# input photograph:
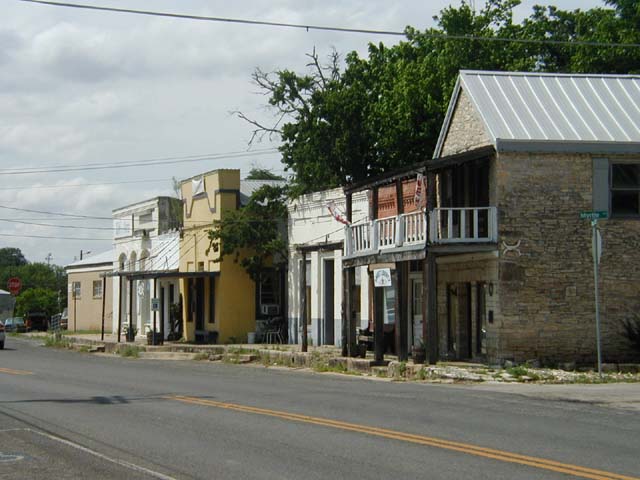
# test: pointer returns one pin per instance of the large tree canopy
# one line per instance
(340, 123)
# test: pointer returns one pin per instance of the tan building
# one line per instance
(89, 292)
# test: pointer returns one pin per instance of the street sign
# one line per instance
(382, 277)
(593, 215)
(14, 285)
(155, 304)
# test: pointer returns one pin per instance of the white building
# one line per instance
(147, 253)
(316, 234)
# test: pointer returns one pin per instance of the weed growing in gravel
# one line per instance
(130, 351)
(56, 341)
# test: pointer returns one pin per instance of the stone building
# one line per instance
(508, 269)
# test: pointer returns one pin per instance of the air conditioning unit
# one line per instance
(270, 309)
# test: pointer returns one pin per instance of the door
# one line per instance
(199, 303)
(329, 302)
(415, 309)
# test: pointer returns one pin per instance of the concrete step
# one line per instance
(167, 355)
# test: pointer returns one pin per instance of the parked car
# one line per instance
(15, 324)
(37, 321)
(1, 336)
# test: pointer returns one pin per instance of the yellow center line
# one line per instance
(15, 372)
(504, 456)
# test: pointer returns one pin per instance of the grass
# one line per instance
(81, 332)
(56, 341)
(130, 351)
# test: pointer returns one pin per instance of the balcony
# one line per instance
(409, 231)
(463, 225)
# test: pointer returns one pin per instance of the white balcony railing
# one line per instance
(446, 226)
(409, 229)
(463, 225)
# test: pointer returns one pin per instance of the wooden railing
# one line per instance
(409, 230)
(463, 225)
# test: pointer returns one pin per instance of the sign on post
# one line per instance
(155, 304)
(596, 246)
(382, 277)
(14, 285)
(593, 215)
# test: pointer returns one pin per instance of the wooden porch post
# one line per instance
(431, 306)
(155, 312)
(378, 324)
(303, 300)
(119, 306)
(430, 298)
(130, 305)
(401, 317)
(104, 293)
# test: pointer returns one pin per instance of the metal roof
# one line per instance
(103, 258)
(552, 111)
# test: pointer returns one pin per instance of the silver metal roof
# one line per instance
(541, 111)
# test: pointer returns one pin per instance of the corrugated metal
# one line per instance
(556, 107)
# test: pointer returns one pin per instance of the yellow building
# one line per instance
(219, 298)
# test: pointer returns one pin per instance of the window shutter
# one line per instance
(601, 185)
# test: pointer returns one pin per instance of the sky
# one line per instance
(81, 87)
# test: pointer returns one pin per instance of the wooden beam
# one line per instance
(104, 294)
(349, 212)
(399, 197)
(401, 317)
(303, 301)
(155, 312)
(352, 349)
(119, 307)
(432, 309)
(378, 324)
(374, 203)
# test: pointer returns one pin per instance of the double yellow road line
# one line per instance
(10, 371)
(500, 455)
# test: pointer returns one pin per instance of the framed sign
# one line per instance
(382, 277)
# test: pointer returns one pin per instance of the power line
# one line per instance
(141, 163)
(81, 185)
(24, 222)
(329, 28)
(56, 213)
(49, 237)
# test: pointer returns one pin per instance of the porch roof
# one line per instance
(146, 274)
(423, 167)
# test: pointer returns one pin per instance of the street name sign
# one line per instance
(593, 215)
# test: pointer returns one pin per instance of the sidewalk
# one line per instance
(328, 359)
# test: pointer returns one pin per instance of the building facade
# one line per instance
(145, 267)
(221, 303)
(316, 236)
(506, 260)
(90, 293)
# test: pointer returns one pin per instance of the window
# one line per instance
(269, 288)
(75, 289)
(201, 266)
(97, 289)
(625, 189)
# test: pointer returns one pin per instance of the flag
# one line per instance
(420, 196)
(337, 213)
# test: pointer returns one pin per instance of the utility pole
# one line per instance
(48, 258)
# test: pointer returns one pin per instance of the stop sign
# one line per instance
(14, 284)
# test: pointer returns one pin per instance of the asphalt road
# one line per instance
(72, 415)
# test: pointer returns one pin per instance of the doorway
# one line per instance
(329, 302)
(459, 324)
(415, 309)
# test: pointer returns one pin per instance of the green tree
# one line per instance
(258, 173)
(338, 126)
(11, 257)
(37, 300)
(254, 234)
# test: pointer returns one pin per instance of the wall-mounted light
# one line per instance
(490, 288)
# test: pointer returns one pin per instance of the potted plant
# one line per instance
(130, 333)
(419, 352)
(154, 341)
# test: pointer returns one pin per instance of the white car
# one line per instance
(1, 336)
